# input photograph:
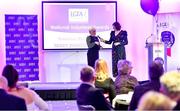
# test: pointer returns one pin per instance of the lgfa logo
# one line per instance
(78, 15)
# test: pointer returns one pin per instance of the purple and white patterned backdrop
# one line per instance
(22, 45)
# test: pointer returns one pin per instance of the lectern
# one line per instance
(157, 49)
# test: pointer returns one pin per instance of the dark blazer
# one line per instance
(88, 95)
(93, 50)
(10, 102)
(118, 51)
(142, 89)
(121, 37)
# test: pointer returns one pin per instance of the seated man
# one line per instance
(87, 94)
(7, 101)
(155, 71)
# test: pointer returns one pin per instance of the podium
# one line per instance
(157, 49)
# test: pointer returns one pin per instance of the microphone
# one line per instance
(147, 40)
(101, 39)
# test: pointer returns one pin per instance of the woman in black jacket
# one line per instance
(118, 38)
(93, 47)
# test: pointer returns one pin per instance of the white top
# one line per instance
(37, 104)
(31, 107)
(33, 101)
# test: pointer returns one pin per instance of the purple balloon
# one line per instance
(150, 6)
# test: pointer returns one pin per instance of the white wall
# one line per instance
(65, 66)
(58, 66)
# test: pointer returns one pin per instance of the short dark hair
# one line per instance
(11, 74)
(117, 25)
(87, 73)
(159, 60)
(155, 71)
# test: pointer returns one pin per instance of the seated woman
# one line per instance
(103, 80)
(31, 98)
(124, 82)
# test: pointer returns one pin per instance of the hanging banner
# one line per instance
(168, 26)
(21, 36)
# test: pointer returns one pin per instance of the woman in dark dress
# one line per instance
(118, 38)
(93, 47)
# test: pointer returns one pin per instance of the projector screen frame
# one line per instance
(75, 49)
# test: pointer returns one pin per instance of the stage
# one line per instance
(58, 95)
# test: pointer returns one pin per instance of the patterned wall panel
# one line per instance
(22, 45)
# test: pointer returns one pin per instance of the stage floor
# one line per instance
(63, 105)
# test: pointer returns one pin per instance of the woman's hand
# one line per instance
(102, 40)
(97, 43)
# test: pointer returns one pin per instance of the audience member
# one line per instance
(87, 94)
(7, 101)
(103, 79)
(159, 60)
(155, 71)
(170, 86)
(124, 82)
(31, 98)
(155, 101)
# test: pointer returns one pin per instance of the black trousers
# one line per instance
(92, 56)
(118, 52)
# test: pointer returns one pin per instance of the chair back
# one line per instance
(86, 108)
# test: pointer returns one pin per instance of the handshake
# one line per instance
(101, 39)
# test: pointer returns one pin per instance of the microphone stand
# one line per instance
(147, 40)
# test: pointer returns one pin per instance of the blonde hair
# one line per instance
(171, 81)
(155, 101)
(101, 69)
(92, 29)
(124, 66)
